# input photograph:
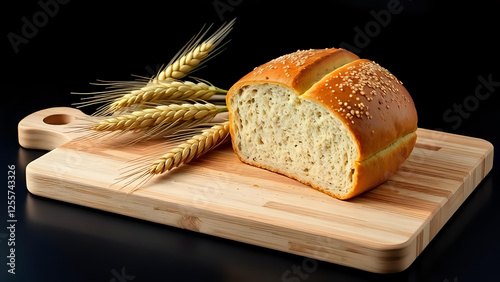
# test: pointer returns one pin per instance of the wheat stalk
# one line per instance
(153, 119)
(165, 90)
(129, 93)
(186, 63)
(191, 149)
(192, 55)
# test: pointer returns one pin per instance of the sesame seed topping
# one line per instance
(366, 79)
(296, 59)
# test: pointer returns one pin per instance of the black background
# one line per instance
(439, 50)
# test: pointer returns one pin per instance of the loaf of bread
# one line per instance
(326, 118)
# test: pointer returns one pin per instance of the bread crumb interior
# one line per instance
(277, 128)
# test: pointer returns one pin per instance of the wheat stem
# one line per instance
(191, 149)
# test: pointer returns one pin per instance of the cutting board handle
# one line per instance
(49, 128)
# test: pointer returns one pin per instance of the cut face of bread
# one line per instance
(333, 121)
(281, 131)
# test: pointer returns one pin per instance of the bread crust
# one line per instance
(374, 105)
(299, 70)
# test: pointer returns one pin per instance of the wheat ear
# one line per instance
(166, 90)
(154, 118)
(192, 55)
(191, 149)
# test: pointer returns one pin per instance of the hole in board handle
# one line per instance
(58, 119)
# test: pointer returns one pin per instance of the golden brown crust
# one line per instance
(373, 104)
(299, 70)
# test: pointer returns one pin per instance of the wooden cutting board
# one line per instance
(382, 231)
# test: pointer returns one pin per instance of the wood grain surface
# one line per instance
(381, 231)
